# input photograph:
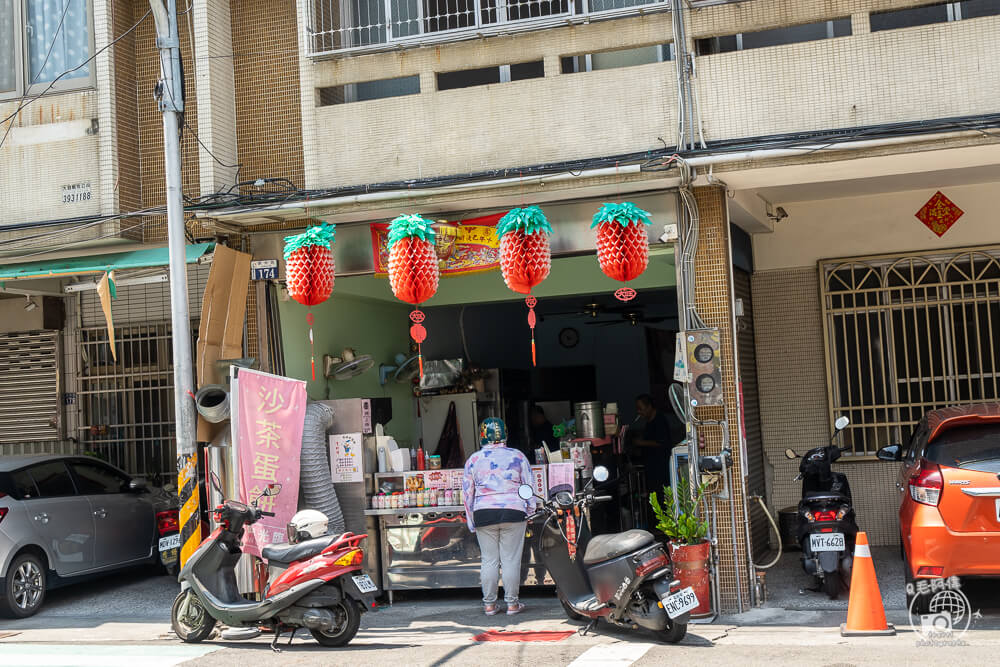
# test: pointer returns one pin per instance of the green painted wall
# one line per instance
(378, 328)
(569, 276)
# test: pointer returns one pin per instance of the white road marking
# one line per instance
(620, 654)
(76, 655)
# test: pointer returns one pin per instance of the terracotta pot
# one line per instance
(691, 569)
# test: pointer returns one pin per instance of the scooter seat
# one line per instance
(289, 553)
(831, 496)
(606, 547)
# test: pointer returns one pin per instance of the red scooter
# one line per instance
(319, 583)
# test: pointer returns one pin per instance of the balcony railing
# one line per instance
(339, 26)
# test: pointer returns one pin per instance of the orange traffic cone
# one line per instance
(865, 612)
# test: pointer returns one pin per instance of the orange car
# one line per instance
(949, 515)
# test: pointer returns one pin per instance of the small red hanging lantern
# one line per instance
(309, 271)
(413, 269)
(525, 256)
(622, 243)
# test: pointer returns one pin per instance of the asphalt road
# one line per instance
(124, 621)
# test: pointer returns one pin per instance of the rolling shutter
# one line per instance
(30, 409)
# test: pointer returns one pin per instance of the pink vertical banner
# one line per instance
(271, 413)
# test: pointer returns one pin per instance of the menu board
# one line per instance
(560, 478)
(437, 479)
(345, 458)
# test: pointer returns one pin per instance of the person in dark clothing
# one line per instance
(541, 430)
(654, 443)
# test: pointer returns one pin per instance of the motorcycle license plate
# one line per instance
(364, 583)
(826, 542)
(680, 602)
(170, 542)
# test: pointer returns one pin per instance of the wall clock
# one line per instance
(569, 337)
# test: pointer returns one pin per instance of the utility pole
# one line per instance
(170, 94)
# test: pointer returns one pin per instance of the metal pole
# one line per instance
(171, 101)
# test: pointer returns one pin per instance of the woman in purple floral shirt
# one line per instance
(496, 514)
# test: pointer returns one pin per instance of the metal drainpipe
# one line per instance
(680, 58)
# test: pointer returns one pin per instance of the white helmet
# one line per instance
(306, 525)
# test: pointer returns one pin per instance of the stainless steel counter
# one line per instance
(416, 510)
(431, 547)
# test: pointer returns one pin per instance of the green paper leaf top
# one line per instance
(529, 220)
(411, 226)
(624, 214)
(321, 235)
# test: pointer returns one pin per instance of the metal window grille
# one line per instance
(908, 334)
(351, 25)
(127, 404)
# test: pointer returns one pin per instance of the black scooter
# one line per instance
(826, 525)
(625, 578)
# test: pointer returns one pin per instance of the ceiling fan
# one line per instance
(595, 309)
(632, 317)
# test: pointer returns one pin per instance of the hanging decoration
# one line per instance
(309, 272)
(622, 243)
(525, 256)
(413, 270)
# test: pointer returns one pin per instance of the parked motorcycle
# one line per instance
(626, 579)
(826, 523)
(318, 585)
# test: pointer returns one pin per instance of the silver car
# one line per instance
(63, 518)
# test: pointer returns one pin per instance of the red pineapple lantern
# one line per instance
(622, 243)
(413, 269)
(525, 256)
(309, 271)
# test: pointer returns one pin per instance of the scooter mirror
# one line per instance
(216, 483)
(525, 492)
(790, 454)
(841, 423)
(272, 490)
(600, 474)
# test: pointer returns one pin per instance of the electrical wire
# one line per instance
(26, 102)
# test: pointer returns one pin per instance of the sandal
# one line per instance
(514, 608)
(490, 609)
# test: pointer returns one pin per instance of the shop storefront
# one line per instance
(589, 353)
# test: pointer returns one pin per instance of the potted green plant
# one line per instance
(687, 538)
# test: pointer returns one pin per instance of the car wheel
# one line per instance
(24, 588)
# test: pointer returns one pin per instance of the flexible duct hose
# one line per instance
(776, 532)
(315, 481)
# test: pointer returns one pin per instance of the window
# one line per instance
(467, 78)
(941, 12)
(94, 479)
(592, 62)
(796, 34)
(974, 447)
(39, 41)
(18, 484)
(909, 334)
(368, 90)
(339, 25)
(52, 480)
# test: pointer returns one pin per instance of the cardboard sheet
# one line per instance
(223, 312)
